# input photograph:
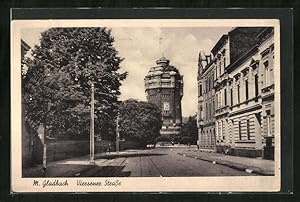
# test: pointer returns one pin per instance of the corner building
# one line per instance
(266, 70)
(244, 92)
(164, 88)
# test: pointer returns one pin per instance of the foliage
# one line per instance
(189, 131)
(163, 138)
(139, 121)
(57, 84)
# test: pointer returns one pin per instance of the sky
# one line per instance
(142, 46)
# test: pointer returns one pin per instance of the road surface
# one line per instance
(164, 162)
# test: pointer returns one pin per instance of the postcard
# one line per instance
(145, 105)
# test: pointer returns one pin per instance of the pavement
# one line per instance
(158, 162)
(71, 166)
(251, 165)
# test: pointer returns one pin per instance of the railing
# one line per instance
(268, 88)
(222, 110)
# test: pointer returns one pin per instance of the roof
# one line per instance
(264, 33)
(242, 58)
(162, 60)
(25, 45)
(215, 49)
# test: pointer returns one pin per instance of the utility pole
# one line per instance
(44, 142)
(44, 152)
(117, 134)
(92, 132)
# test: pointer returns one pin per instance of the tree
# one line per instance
(139, 121)
(189, 131)
(57, 84)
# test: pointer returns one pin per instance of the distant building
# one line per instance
(244, 93)
(164, 88)
(185, 120)
(24, 48)
(206, 102)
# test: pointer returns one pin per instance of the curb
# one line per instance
(231, 164)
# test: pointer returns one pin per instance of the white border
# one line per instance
(139, 184)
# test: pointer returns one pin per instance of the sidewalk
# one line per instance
(250, 165)
(71, 166)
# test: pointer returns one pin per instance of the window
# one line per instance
(225, 96)
(219, 66)
(258, 117)
(248, 129)
(271, 74)
(206, 110)
(267, 76)
(217, 129)
(208, 81)
(224, 61)
(269, 123)
(200, 90)
(208, 84)
(201, 109)
(216, 74)
(231, 96)
(238, 93)
(246, 89)
(207, 87)
(166, 108)
(221, 129)
(240, 130)
(221, 99)
(210, 111)
(256, 85)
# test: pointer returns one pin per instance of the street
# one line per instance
(159, 162)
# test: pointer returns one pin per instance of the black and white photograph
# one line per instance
(145, 105)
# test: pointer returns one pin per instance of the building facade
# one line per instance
(244, 92)
(266, 70)
(221, 56)
(206, 102)
(164, 88)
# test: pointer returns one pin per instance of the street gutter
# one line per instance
(230, 164)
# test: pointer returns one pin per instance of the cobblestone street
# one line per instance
(159, 162)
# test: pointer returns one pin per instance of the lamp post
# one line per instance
(92, 125)
(44, 143)
(92, 132)
(44, 152)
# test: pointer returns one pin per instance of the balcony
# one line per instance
(267, 91)
(267, 88)
(222, 110)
